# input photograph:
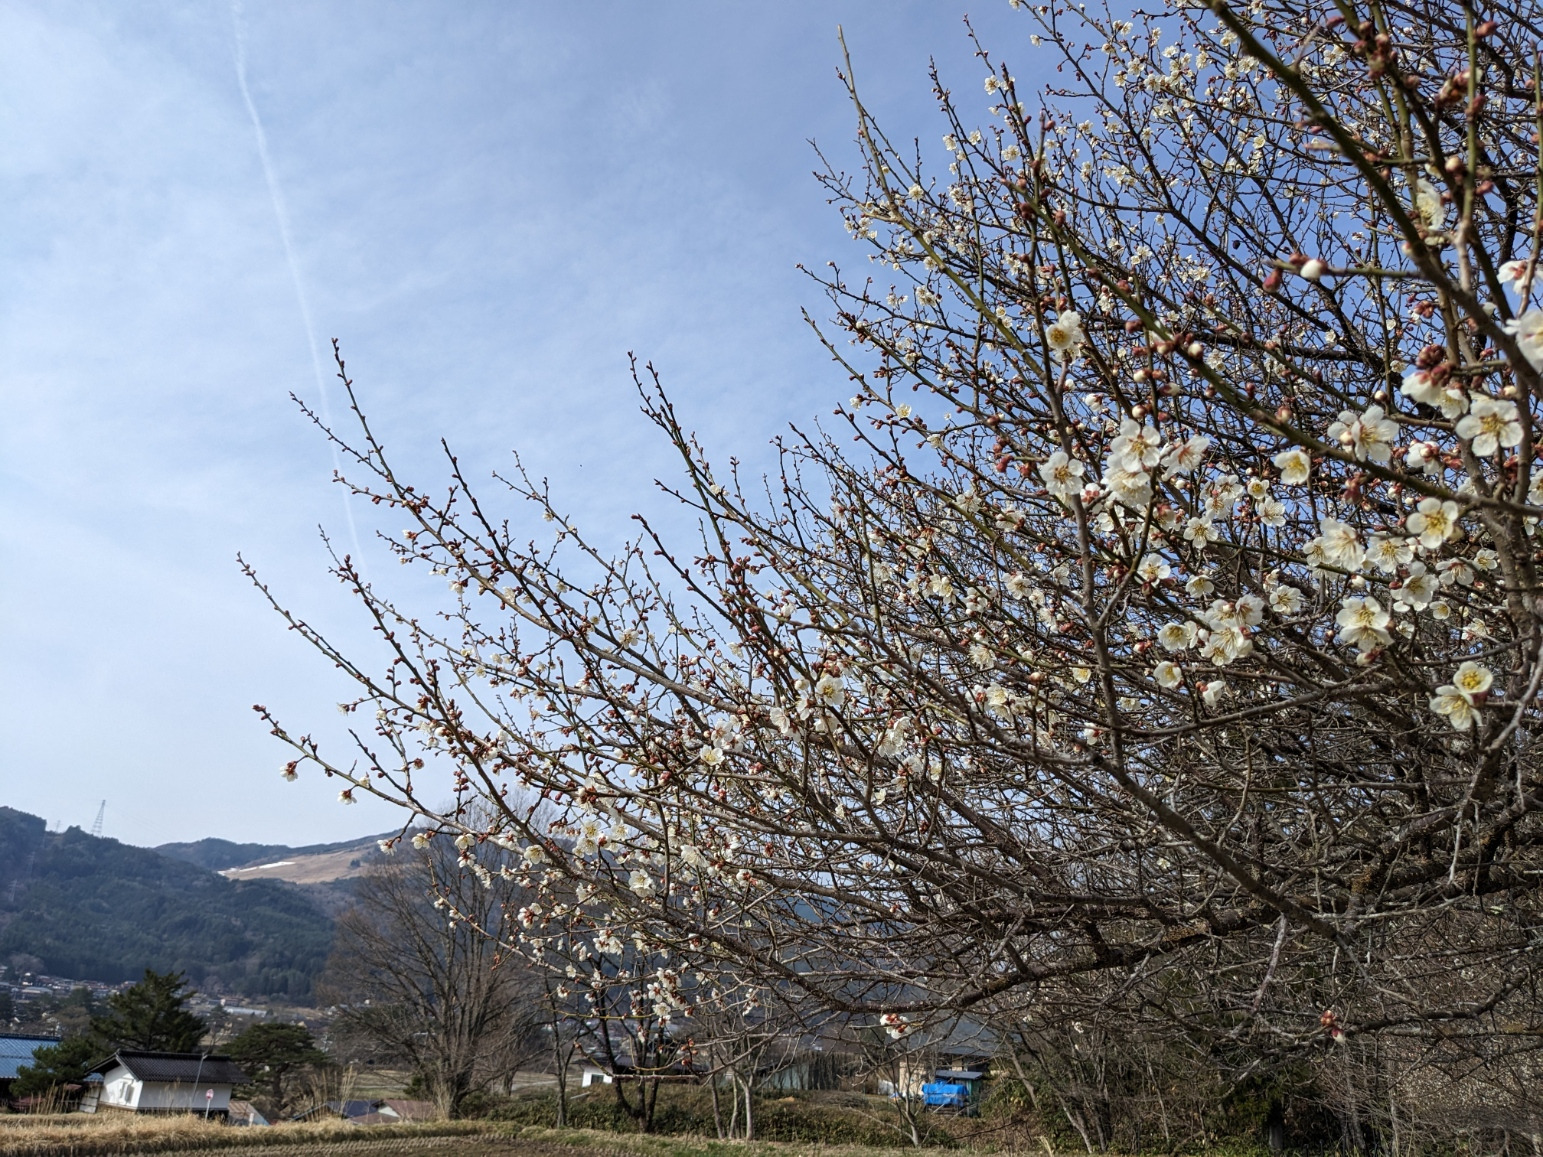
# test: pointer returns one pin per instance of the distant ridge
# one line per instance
(218, 855)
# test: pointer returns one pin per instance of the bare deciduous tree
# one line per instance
(419, 974)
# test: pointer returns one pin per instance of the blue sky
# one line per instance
(490, 204)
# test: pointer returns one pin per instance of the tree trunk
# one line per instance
(560, 1064)
(749, 1114)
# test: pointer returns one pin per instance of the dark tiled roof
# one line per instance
(175, 1068)
(16, 1049)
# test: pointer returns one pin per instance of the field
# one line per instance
(81, 1136)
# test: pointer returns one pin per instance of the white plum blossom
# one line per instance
(1167, 674)
(1249, 610)
(896, 1025)
(1473, 679)
(1428, 203)
(1186, 457)
(1271, 512)
(1422, 386)
(1178, 636)
(894, 738)
(1528, 332)
(1369, 436)
(1363, 623)
(1457, 707)
(1202, 532)
(1285, 600)
(1137, 444)
(830, 692)
(1295, 466)
(998, 701)
(1424, 457)
(1416, 592)
(1433, 522)
(1153, 568)
(1490, 424)
(1338, 545)
(641, 884)
(1128, 483)
(1064, 336)
(1388, 552)
(1062, 475)
(1226, 643)
(1455, 570)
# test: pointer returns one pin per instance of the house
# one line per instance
(135, 1081)
(17, 1049)
(245, 1113)
(390, 1111)
(395, 1111)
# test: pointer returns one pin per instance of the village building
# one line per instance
(150, 1082)
(18, 1049)
(245, 1113)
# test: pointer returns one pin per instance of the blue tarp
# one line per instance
(952, 1096)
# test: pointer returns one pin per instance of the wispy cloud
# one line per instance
(489, 203)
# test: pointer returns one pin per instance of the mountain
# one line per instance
(218, 855)
(96, 909)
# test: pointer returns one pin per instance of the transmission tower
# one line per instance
(96, 826)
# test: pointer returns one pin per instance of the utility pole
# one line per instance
(96, 826)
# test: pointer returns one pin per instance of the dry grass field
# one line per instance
(100, 1135)
(80, 1135)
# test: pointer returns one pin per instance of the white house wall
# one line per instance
(119, 1089)
(122, 1090)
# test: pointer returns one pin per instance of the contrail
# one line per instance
(281, 213)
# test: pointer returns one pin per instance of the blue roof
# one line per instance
(17, 1050)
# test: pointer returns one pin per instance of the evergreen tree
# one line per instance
(273, 1055)
(150, 1015)
(62, 1064)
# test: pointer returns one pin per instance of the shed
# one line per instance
(151, 1082)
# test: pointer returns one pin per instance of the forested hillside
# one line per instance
(96, 909)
